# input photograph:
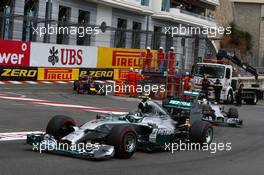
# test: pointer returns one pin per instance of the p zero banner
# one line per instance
(120, 58)
(53, 55)
(18, 74)
(58, 74)
(14, 53)
(97, 73)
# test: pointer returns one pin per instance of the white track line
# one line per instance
(15, 82)
(62, 82)
(31, 82)
(110, 81)
(46, 82)
(8, 136)
(1, 82)
(58, 104)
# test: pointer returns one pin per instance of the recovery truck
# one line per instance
(222, 70)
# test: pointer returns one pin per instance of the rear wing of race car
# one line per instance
(191, 93)
(177, 104)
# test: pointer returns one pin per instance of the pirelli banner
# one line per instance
(57, 74)
(120, 58)
(18, 73)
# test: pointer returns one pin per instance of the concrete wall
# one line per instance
(247, 18)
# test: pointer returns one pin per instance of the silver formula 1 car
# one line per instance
(118, 135)
(213, 112)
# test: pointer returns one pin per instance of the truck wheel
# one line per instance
(201, 132)
(60, 126)
(232, 113)
(124, 139)
(230, 98)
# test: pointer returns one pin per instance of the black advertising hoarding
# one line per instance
(98, 73)
(18, 73)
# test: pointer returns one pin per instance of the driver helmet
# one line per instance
(204, 101)
(143, 106)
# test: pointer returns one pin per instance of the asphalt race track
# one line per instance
(29, 107)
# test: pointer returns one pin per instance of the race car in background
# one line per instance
(86, 85)
(211, 112)
(119, 135)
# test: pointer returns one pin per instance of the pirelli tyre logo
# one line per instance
(98, 74)
(18, 74)
(53, 74)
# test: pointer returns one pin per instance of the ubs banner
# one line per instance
(18, 74)
(66, 56)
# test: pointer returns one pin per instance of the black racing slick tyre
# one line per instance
(60, 126)
(124, 140)
(232, 113)
(201, 132)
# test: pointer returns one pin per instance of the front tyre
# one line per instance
(124, 139)
(201, 132)
(60, 126)
(232, 113)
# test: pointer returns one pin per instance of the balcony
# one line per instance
(130, 5)
(211, 2)
(183, 16)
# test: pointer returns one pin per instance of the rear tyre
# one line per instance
(60, 126)
(124, 139)
(201, 132)
(232, 113)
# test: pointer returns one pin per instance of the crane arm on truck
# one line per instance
(234, 59)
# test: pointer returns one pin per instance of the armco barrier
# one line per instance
(8, 73)
(18, 73)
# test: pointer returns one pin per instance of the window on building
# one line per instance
(136, 35)
(48, 14)
(83, 22)
(30, 20)
(145, 2)
(63, 23)
(156, 39)
(169, 41)
(6, 23)
(165, 6)
(120, 34)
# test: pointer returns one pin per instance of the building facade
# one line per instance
(249, 16)
(126, 23)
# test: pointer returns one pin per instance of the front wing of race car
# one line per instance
(47, 143)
